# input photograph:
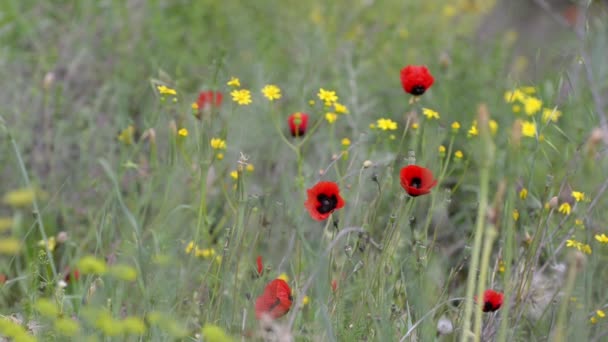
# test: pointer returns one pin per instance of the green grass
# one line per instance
(77, 74)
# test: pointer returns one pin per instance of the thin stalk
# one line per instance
(481, 282)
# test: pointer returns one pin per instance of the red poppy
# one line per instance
(260, 265)
(492, 300)
(417, 180)
(334, 285)
(297, 124)
(71, 275)
(416, 79)
(323, 199)
(275, 301)
(208, 99)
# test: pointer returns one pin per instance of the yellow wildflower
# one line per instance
(164, 90)
(449, 11)
(183, 132)
(473, 131)
(234, 174)
(284, 277)
(345, 142)
(579, 223)
(372, 126)
(305, 300)
(22, 197)
(523, 193)
(600, 313)
(311, 102)
(249, 168)
(415, 126)
(189, 247)
(90, 264)
(5, 223)
(331, 117)
(528, 90)
(328, 96)
(493, 126)
(430, 114)
(515, 214)
(126, 135)
(241, 96)
(340, 108)
(565, 208)
(455, 126)
(386, 124)
(9, 246)
(601, 238)
(578, 196)
(219, 156)
(516, 108)
(515, 95)
(458, 154)
(218, 144)
(271, 92)
(551, 115)
(194, 106)
(593, 320)
(585, 248)
(528, 129)
(501, 266)
(123, 272)
(50, 243)
(532, 105)
(234, 82)
(441, 150)
(213, 333)
(205, 253)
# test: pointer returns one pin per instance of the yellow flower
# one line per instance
(441, 150)
(194, 106)
(551, 115)
(579, 223)
(455, 126)
(386, 124)
(430, 114)
(9, 246)
(473, 131)
(516, 108)
(234, 174)
(458, 154)
(164, 90)
(528, 129)
(415, 126)
(515, 95)
(345, 142)
(600, 313)
(218, 144)
(305, 300)
(5, 223)
(271, 92)
(523, 193)
(183, 132)
(515, 214)
(234, 82)
(284, 277)
(501, 266)
(126, 135)
(528, 90)
(241, 96)
(565, 208)
(219, 156)
(311, 102)
(578, 196)
(593, 320)
(189, 247)
(340, 108)
(601, 238)
(493, 126)
(249, 168)
(585, 248)
(90, 264)
(213, 333)
(331, 117)
(449, 11)
(532, 105)
(328, 96)
(22, 197)
(205, 253)
(372, 126)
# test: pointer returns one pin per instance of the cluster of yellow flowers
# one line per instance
(205, 253)
(583, 247)
(330, 99)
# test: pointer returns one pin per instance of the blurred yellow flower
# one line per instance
(585, 248)
(284, 277)
(92, 265)
(183, 132)
(5, 223)
(328, 96)
(458, 154)
(305, 300)
(345, 142)
(123, 272)
(22, 197)
(430, 114)
(218, 144)
(528, 129)
(213, 333)
(250, 168)
(340, 108)
(455, 126)
(189, 247)
(271, 92)
(219, 156)
(234, 82)
(601, 238)
(386, 124)
(473, 131)
(194, 106)
(565, 208)
(331, 117)
(515, 95)
(600, 313)
(50, 243)
(415, 126)
(523, 193)
(493, 126)
(234, 175)
(551, 115)
(164, 90)
(532, 105)
(9, 246)
(441, 150)
(241, 96)
(515, 214)
(126, 135)
(578, 196)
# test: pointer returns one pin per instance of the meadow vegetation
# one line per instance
(257, 170)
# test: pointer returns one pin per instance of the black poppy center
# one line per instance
(418, 90)
(416, 183)
(326, 203)
(488, 306)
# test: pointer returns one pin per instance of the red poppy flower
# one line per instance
(275, 301)
(334, 285)
(71, 275)
(260, 265)
(208, 99)
(416, 79)
(417, 180)
(297, 124)
(492, 300)
(323, 199)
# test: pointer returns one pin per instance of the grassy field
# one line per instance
(129, 214)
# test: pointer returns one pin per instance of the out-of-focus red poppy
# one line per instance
(492, 300)
(334, 285)
(71, 274)
(416, 79)
(323, 199)
(297, 124)
(275, 301)
(417, 180)
(207, 100)
(260, 265)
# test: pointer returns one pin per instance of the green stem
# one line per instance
(481, 282)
